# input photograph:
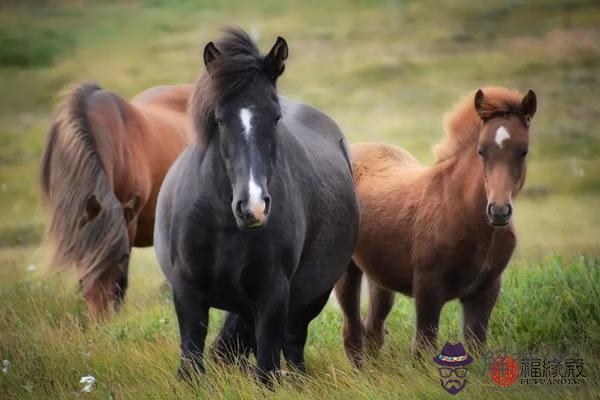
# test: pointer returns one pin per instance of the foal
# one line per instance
(441, 232)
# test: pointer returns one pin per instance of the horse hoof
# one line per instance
(188, 370)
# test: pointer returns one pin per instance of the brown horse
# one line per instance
(442, 232)
(101, 171)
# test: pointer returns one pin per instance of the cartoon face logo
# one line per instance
(452, 362)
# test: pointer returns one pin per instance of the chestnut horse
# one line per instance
(442, 232)
(103, 165)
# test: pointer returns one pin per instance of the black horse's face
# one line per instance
(248, 137)
(247, 122)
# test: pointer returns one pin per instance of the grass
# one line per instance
(385, 71)
(547, 308)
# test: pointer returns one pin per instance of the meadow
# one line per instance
(385, 71)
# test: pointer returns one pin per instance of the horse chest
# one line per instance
(474, 263)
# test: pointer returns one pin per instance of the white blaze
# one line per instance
(255, 196)
(246, 118)
(501, 135)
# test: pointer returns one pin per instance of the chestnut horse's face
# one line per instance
(104, 283)
(503, 147)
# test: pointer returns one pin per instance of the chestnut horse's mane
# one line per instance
(462, 124)
(70, 171)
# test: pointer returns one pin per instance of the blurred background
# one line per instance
(386, 71)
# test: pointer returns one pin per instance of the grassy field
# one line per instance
(386, 71)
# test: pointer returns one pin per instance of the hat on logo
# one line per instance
(453, 355)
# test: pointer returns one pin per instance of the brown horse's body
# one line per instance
(101, 172)
(150, 130)
(424, 230)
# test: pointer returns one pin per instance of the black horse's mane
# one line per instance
(238, 66)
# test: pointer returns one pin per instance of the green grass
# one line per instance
(547, 308)
(385, 71)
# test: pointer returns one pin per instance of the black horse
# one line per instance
(259, 216)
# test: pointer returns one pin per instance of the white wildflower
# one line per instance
(5, 366)
(88, 383)
(31, 268)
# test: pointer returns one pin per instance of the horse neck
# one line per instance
(463, 177)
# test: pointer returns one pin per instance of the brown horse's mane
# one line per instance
(462, 124)
(239, 64)
(70, 171)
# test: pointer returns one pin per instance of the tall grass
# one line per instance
(547, 308)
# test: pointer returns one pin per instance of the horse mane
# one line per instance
(239, 64)
(462, 125)
(70, 171)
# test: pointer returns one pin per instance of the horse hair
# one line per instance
(70, 171)
(462, 124)
(237, 67)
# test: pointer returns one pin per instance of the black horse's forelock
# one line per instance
(238, 66)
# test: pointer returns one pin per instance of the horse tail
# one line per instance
(72, 175)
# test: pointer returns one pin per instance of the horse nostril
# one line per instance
(239, 209)
(490, 209)
(267, 201)
(508, 210)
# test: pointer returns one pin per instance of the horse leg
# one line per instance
(347, 291)
(270, 323)
(236, 339)
(477, 309)
(192, 315)
(381, 302)
(429, 305)
(297, 330)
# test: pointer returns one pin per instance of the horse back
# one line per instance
(138, 141)
(390, 183)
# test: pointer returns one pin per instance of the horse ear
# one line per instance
(529, 105)
(479, 100)
(274, 61)
(92, 209)
(131, 208)
(210, 54)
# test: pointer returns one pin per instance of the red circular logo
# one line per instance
(504, 370)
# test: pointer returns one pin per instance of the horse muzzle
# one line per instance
(499, 214)
(252, 215)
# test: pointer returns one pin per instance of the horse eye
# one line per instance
(278, 118)
(524, 153)
(480, 151)
(219, 121)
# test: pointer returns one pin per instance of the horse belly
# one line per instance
(327, 248)
(319, 271)
(390, 271)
